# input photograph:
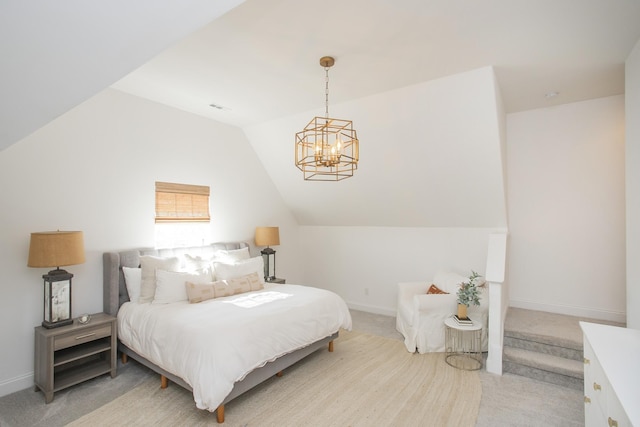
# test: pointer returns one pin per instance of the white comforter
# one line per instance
(215, 343)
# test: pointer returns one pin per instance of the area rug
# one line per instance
(368, 380)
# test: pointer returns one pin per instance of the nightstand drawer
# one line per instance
(82, 336)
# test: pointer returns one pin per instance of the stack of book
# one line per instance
(464, 321)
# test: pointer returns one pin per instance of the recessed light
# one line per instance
(551, 94)
(219, 107)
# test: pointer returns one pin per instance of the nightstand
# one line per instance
(276, 280)
(71, 354)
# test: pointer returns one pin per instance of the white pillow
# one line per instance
(132, 280)
(170, 285)
(149, 264)
(226, 271)
(232, 255)
(198, 265)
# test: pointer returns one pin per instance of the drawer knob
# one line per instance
(587, 400)
(586, 361)
(81, 337)
(612, 422)
(597, 386)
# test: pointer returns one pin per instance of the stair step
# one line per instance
(564, 342)
(544, 347)
(544, 367)
(546, 328)
(545, 362)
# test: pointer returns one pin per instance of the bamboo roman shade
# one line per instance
(181, 202)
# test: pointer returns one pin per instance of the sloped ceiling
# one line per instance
(260, 60)
(57, 54)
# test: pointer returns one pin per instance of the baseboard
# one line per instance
(372, 309)
(16, 384)
(591, 313)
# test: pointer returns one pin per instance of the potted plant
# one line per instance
(468, 294)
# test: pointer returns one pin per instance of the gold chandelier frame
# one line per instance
(327, 149)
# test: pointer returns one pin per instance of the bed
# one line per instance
(253, 336)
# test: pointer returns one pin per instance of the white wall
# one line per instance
(430, 156)
(428, 191)
(632, 109)
(93, 169)
(364, 264)
(566, 208)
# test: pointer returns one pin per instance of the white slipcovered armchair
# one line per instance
(420, 316)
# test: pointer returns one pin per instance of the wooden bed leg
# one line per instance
(220, 414)
(279, 374)
(164, 382)
(123, 357)
(331, 346)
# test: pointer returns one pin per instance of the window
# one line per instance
(182, 215)
(181, 202)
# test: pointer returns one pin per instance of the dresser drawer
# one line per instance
(596, 385)
(611, 375)
(84, 335)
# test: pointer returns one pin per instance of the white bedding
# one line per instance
(215, 343)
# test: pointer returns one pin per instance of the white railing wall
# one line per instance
(498, 298)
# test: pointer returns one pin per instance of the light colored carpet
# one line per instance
(551, 328)
(507, 400)
(368, 380)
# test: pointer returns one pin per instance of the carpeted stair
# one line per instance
(544, 346)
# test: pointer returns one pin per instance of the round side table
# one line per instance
(463, 345)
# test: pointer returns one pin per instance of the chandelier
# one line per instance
(327, 148)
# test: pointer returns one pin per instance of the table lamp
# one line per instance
(55, 249)
(268, 236)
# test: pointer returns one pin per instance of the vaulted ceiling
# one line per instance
(55, 55)
(260, 60)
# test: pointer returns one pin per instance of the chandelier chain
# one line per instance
(326, 93)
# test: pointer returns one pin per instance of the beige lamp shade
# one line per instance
(267, 236)
(56, 249)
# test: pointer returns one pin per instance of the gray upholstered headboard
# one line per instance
(114, 289)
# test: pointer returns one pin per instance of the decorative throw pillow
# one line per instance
(247, 283)
(224, 271)
(232, 255)
(170, 285)
(433, 289)
(132, 280)
(448, 281)
(149, 264)
(198, 292)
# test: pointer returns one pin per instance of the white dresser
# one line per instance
(611, 375)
